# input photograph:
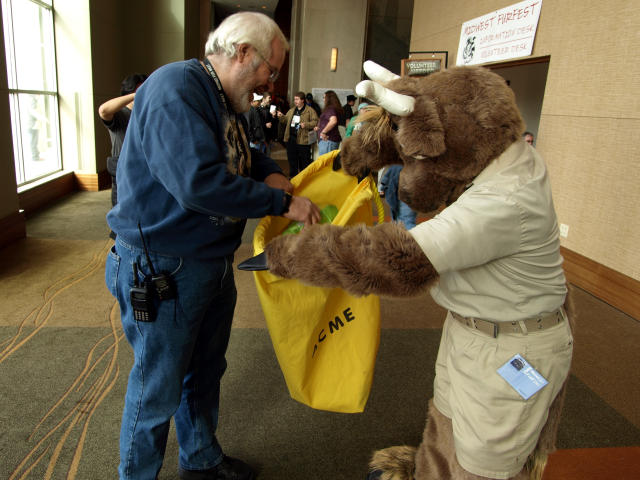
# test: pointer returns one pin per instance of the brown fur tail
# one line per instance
(396, 463)
(537, 461)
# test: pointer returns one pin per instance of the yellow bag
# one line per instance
(325, 339)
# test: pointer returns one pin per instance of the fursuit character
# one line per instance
(490, 257)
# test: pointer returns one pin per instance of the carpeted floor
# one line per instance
(64, 365)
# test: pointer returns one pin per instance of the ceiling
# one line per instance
(228, 7)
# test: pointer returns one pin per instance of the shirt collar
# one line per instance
(508, 157)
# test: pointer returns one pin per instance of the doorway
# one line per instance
(528, 80)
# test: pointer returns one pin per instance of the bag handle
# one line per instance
(377, 200)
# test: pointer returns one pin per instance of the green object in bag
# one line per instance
(327, 214)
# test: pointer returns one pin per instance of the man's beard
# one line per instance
(241, 100)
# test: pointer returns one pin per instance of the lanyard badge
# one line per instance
(522, 377)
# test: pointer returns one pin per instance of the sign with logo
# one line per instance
(504, 34)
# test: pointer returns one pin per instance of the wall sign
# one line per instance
(421, 64)
(504, 34)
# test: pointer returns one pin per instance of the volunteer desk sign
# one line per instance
(421, 64)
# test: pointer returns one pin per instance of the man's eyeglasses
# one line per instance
(275, 73)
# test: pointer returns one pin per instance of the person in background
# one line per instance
(352, 123)
(269, 126)
(312, 103)
(298, 122)
(256, 133)
(528, 137)
(388, 188)
(115, 114)
(328, 135)
(189, 180)
(348, 109)
(282, 105)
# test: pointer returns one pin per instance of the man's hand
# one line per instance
(304, 210)
(278, 180)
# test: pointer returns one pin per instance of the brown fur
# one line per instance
(436, 455)
(435, 458)
(463, 118)
(396, 463)
(384, 260)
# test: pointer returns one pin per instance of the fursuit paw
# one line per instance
(393, 463)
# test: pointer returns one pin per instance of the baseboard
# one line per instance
(42, 195)
(12, 228)
(617, 289)
(614, 288)
(93, 182)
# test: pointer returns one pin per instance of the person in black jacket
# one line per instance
(256, 134)
(348, 109)
(313, 104)
(269, 124)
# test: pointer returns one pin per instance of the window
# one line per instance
(33, 91)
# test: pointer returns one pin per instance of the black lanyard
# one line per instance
(216, 81)
(240, 135)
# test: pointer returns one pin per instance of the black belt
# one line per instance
(530, 325)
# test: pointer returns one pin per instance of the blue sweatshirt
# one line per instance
(177, 174)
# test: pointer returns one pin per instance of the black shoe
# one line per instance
(228, 469)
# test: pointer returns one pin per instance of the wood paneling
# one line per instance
(93, 182)
(42, 195)
(618, 290)
(12, 228)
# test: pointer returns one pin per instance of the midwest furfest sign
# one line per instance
(504, 34)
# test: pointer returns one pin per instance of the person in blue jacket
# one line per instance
(187, 181)
(388, 188)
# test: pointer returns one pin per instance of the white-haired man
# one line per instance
(189, 181)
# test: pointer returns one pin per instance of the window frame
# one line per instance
(14, 92)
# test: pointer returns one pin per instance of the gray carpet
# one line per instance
(259, 422)
(61, 392)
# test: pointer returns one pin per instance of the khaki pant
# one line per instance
(494, 428)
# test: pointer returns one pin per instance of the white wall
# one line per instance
(75, 85)
(528, 83)
(327, 24)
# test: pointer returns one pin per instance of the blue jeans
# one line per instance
(326, 146)
(405, 215)
(400, 211)
(179, 359)
(262, 147)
